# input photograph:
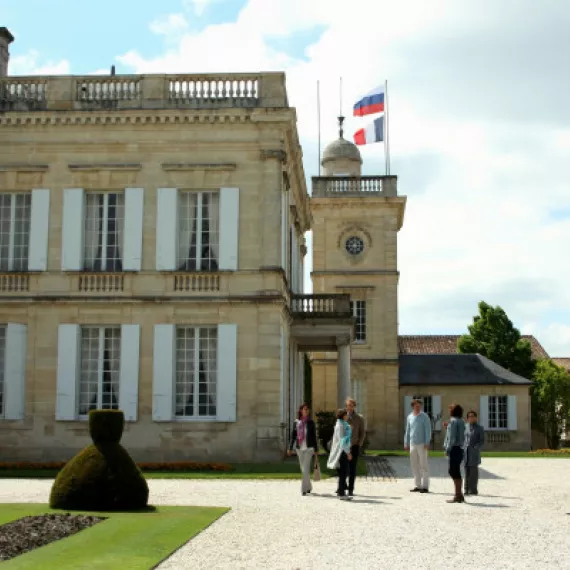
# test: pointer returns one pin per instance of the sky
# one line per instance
(478, 108)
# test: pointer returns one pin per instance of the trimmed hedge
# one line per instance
(157, 466)
(102, 477)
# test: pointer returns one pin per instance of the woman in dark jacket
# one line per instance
(453, 445)
(304, 442)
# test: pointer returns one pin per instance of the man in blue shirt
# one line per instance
(416, 441)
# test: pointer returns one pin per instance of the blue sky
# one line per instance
(488, 211)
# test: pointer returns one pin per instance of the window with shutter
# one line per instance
(39, 230)
(104, 231)
(498, 412)
(133, 229)
(15, 343)
(15, 216)
(100, 369)
(2, 367)
(198, 231)
(358, 310)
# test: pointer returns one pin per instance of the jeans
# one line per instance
(342, 472)
(354, 451)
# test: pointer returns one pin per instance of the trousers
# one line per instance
(420, 469)
(471, 479)
(305, 463)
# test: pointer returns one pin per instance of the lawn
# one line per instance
(288, 469)
(133, 540)
(504, 454)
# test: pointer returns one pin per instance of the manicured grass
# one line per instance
(504, 454)
(288, 469)
(134, 540)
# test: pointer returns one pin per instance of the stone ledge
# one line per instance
(104, 166)
(187, 166)
(24, 167)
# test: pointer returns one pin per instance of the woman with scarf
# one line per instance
(340, 456)
(304, 442)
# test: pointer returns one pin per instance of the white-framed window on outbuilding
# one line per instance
(428, 404)
(498, 412)
(431, 406)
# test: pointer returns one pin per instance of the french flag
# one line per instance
(372, 133)
(371, 103)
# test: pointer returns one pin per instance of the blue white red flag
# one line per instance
(371, 103)
(372, 133)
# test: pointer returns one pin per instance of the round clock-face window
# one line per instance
(354, 245)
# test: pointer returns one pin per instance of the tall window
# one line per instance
(199, 231)
(196, 372)
(498, 412)
(358, 309)
(358, 391)
(104, 224)
(428, 404)
(2, 367)
(100, 369)
(15, 213)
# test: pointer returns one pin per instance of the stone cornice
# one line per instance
(125, 117)
(279, 154)
(188, 166)
(104, 166)
(24, 167)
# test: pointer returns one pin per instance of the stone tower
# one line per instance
(356, 223)
(6, 38)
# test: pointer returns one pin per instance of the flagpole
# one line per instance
(386, 131)
(319, 123)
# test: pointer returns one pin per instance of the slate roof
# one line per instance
(454, 370)
(563, 361)
(447, 344)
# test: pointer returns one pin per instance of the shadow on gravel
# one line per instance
(483, 496)
(488, 505)
(355, 500)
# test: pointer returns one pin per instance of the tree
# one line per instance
(493, 335)
(551, 401)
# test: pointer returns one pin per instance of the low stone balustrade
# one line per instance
(180, 91)
(325, 305)
(327, 186)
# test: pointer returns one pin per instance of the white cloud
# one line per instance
(198, 6)
(29, 64)
(480, 134)
(169, 25)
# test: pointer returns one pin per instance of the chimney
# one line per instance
(6, 38)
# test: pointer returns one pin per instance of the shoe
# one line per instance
(343, 497)
(349, 498)
(415, 490)
(304, 494)
(460, 499)
(309, 491)
(424, 490)
(350, 494)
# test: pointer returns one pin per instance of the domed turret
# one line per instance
(341, 157)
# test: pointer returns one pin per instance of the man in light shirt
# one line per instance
(416, 441)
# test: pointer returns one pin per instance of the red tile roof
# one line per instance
(564, 362)
(447, 344)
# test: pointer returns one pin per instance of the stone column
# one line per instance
(343, 373)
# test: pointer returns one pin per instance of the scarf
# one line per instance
(301, 431)
(346, 440)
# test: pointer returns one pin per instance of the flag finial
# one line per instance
(340, 130)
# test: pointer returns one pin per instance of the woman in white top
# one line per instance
(340, 456)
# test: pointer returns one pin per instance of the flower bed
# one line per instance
(175, 466)
(553, 452)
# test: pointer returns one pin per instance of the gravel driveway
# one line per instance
(518, 521)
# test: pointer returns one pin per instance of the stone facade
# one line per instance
(150, 138)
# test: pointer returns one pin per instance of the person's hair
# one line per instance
(417, 401)
(457, 411)
(471, 413)
(351, 401)
(341, 413)
(300, 412)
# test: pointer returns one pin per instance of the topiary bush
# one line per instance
(102, 477)
(325, 428)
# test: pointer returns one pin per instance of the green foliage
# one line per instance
(325, 428)
(493, 335)
(551, 401)
(106, 426)
(103, 476)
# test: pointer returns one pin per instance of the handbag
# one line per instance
(317, 471)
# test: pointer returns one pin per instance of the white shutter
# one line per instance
(484, 411)
(68, 363)
(39, 231)
(512, 413)
(294, 261)
(229, 229)
(163, 373)
(407, 407)
(166, 229)
(436, 409)
(129, 375)
(227, 373)
(284, 228)
(133, 230)
(15, 371)
(73, 229)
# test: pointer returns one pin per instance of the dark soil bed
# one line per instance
(28, 533)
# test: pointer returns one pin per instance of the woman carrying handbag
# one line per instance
(304, 442)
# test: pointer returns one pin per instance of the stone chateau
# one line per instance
(151, 259)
